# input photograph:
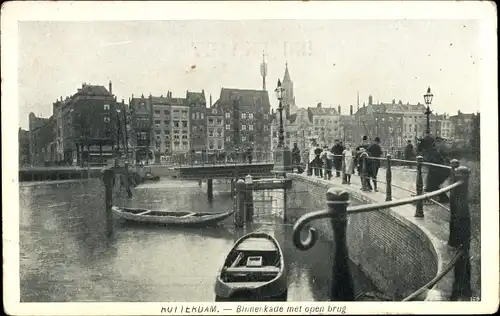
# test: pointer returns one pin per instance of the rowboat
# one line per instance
(254, 270)
(169, 217)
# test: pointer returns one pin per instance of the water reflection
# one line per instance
(66, 256)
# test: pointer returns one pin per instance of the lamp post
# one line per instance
(428, 100)
(282, 156)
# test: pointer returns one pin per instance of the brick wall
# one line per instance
(397, 256)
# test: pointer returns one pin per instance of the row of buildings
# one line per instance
(91, 125)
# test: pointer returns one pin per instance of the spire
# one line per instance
(263, 71)
(286, 77)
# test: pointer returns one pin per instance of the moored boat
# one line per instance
(254, 270)
(169, 217)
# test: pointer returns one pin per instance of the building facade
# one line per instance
(162, 125)
(325, 124)
(215, 129)
(198, 120)
(181, 135)
(246, 119)
(41, 137)
(141, 122)
(24, 147)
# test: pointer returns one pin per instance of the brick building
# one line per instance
(215, 129)
(141, 127)
(41, 140)
(90, 125)
(24, 147)
(246, 119)
(198, 120)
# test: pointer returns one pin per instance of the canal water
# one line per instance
(65, 255)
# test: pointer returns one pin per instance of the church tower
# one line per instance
(288, 97)
(263, 72)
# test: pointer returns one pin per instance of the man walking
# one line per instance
(296, 158)
(409, 152)
(337, 150)
(375, 151)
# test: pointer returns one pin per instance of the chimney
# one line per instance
(319, 105)
(350, 110)
(339, 109)
(370, 100)
(123, 101)
(110, 88)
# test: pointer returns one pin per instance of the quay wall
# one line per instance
(394, 253)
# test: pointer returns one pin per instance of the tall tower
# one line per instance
(358, 100)
(288, 97)
(263, 72)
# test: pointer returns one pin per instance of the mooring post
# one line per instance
(364, 171)
(249, 198)
(454, 163)
(460, 236)
(210, 190)
(127, 181)
(342, 283)
(419, 211)
(108, 178)
(239, 218)
(388, 179)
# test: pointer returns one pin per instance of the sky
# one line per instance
(330, 61)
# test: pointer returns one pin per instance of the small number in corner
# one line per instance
(475, 298)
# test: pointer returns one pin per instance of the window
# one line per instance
(176, 123)
(106, 106)
(266, 116)
(243, 115)
(201, 129)
(157, 125)
(210, 145)
(158, 131)
(219, 121)
(184, 137)
(250, 115)
(266, 128)
(166, 112)
(219, 132)
(210, 132)
(157, 112)
(219, 145)
(184, 124)
(250, 127)
(107, 119)
(195, 129)
(228, 127)
(228, 139)
(166, 122)
(243, 138)
(157, 122)
(228, 115)
(194, 116)
(210, 121)
(243, 127)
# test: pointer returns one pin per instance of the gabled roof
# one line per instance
(246, 98)
(195, 96)
(88, 89)
(323, 111)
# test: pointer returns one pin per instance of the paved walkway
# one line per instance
(435, 223)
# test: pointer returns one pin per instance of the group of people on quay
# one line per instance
(345, 159)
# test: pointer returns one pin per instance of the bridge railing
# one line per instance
(224, 158)
(338, 210)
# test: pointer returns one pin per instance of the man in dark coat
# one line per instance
(357, 162)
(373, 165)
(409, 152)
(436, 176)
(337, 150)
(296, 158)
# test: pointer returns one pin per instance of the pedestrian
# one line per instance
(359, 150)
(296, 158)
(409, 153)
(330, 158)
(249, 154)
(436, 176)
(348, 161)
(337, 150)
(310, 162)
(317, 162)
(375, 151)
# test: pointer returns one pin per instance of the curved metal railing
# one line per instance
(459, 220)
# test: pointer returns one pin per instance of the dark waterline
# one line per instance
(65, 255)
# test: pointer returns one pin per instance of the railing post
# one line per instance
(325, 167)
(108, 179)
(342, 283)
(388, 179)
(249, 198)
(419, 211)
(460, 233)
(239, 218)
(364, 173)
(454, 163)
(210, 190)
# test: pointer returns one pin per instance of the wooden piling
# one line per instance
(210, 190)
(249, 198)
(239, 218)
(108, 178)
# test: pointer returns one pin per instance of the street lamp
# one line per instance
(282, 156)
(279, 94)
(428, 100)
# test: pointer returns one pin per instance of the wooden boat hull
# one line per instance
(170, 218)
(265, 282)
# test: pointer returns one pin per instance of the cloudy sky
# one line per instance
(329, 60)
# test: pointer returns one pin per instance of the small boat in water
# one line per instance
(254, 270)
(169, 217)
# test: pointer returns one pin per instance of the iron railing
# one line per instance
(337, 210)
